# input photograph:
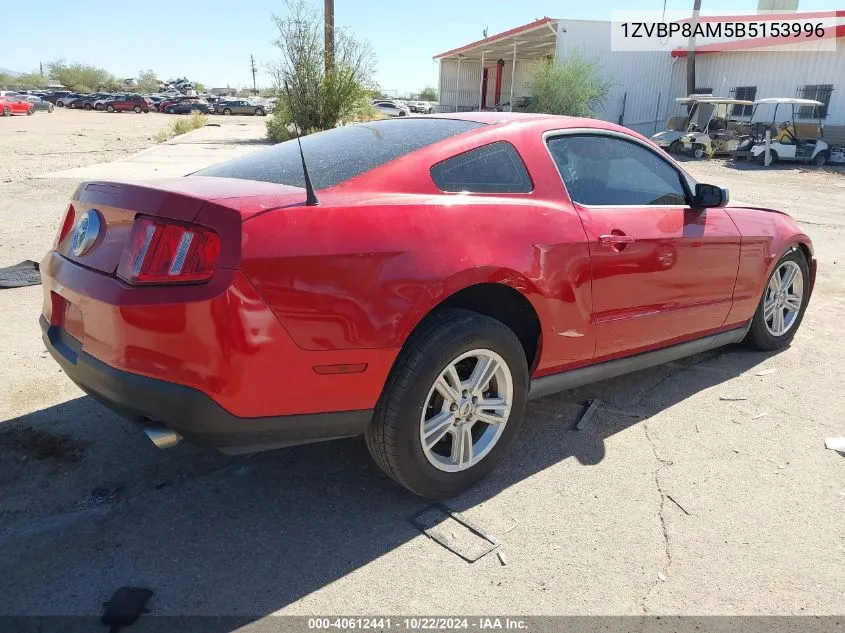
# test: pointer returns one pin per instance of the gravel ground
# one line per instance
(670, 502)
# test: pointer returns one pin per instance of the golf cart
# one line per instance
(712, 131)
(785, 142)
(670, 138)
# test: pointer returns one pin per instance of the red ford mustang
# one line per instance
(448, 269)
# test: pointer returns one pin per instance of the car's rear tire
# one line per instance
(110, 108)
(675, 147)
(30, 112)
(820, 159)
(7, 112)
(60, 103)
(450, 347)
(137, 109)
(259, 112)
(782, 305)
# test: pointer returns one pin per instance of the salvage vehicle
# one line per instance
(14, 105)
(414, 280)
(670, 138)
(239, 106)
(713, 131)
(785, 143)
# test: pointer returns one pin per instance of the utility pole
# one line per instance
(41, 68)
(696, 9)
(252, 67)
(328, 9)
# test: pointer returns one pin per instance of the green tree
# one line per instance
(199, 87)
(81, 77)
(6, 80)
(147, 81)
(28, 81)
(428, 94)
(310, 98)
(570, 86)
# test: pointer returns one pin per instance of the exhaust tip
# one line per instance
(162, 436)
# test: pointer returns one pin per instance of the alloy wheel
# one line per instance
(466, 410)
(784, 295)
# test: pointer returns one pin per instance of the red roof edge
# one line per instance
(520, 29)
(760, 42)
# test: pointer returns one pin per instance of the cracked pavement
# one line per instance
(755, 524)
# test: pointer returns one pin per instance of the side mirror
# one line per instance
(710, 196)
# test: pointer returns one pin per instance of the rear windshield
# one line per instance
(337, 155)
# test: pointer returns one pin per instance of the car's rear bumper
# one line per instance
(190, 412)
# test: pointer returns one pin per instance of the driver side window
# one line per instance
(603, 170)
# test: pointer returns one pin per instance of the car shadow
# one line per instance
(248, 536)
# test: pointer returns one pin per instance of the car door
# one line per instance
(662, 271)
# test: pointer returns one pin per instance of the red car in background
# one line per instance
(130, 102)
(12, 105)
(426, 279)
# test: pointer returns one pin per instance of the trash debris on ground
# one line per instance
(661, 576)
(760, 415)
(455, 532)
(502, 558)
(594, 404)
(835, 443)
(24, 274)
(732, 398)
(683, 509)
(766, 372)
(125, 606)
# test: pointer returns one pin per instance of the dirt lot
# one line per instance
(671, 501)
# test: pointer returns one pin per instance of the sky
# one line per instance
(211, 41)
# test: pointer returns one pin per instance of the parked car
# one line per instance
(54, 95)
(169, 101)
(64, 100)
(125, 103)
(10, 105)
(9, 93)
(186, 106)
(240, 106)
(244, 320)
(42, 106)
(391, 109)
(87, 102)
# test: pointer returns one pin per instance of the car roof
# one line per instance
(546, 121)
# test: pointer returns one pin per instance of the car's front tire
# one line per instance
(782, 305)
(110, 108)
(452, 405)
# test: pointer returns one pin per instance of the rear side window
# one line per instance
(494, 168)
(337, 155)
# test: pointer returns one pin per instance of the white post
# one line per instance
(458, 87)
(513, 73)
(481, 83)
(767, 159)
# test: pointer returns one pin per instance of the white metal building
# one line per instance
(645, 84)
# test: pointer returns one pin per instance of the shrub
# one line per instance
(570, 86)
(182, 125)
(315, 93)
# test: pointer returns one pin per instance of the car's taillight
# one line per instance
(67, 225)
(160, 251)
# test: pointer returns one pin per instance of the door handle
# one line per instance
(614, 239)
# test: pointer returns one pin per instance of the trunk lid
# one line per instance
(179, 199)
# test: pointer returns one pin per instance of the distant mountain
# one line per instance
(11, 73)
